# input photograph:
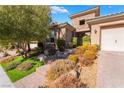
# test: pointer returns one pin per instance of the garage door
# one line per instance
(112, 39)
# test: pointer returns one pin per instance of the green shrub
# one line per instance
(40, 50)
(58, 68)
(74, 41)
(24, 66)
(73, 58)
(61, 44)
(12, 65)
(35, 52)
(86, 40)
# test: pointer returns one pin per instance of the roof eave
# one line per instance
(85, 12)
(105, 18)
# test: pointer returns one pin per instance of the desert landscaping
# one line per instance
(78, 69)
(37, 52)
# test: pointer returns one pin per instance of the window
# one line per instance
(82, 22)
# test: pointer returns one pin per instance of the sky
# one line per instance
(61, 13)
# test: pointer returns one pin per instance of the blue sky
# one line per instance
(60, 13)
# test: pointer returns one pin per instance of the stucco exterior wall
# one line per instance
(85, 27)
(68, 35)
(96, 37)
(63, 33)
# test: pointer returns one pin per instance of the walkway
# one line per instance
(33, 80)
(4, 80)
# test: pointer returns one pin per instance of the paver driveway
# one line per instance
(110, 70)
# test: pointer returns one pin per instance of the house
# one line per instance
(63, 30)
(80, 25)
(108, 32)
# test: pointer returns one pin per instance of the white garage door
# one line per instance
(112, 39)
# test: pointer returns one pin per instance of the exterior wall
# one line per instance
(68, 35)
(85, 27)
(96, 37)
(65, 33)
(57, 34)
(62, 33)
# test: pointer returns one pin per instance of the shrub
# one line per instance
(79, 50)
(86, 40)
(70, 45)
(12, 66)
(85, 47)
(73, 58)
(24, 66)
(61, 44)
(39, 49)
(88, 54)
(52, 50)
(35, 52)
(67, 81)
(86, 62)
(88, 75)
(94, 47)
(8, 59)
(74, 41)
(58, 68)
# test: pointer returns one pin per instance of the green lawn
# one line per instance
(15, 75)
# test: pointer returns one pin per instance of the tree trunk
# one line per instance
(29, 48)
(24, 52)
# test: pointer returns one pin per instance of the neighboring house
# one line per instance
(80, 25)
(108, 32)
(63, 30)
